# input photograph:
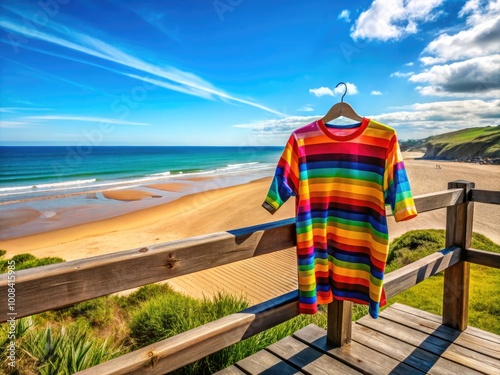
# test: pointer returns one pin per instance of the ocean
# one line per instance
(47, 188)
(33, 173)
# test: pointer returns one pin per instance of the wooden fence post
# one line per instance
(456, 278)
(339, 322)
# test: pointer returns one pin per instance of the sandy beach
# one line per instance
(213, 210)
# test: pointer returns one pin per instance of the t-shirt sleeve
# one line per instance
(286, 178)
(396, 184)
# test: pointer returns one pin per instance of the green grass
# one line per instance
(466, 135)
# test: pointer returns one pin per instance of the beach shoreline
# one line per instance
(203, 206)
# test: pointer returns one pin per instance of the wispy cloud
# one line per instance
(85, 119)
(306, 108)
(376, 93)
(13, 124)
(169, 76)
(401, 74)
(21, 109)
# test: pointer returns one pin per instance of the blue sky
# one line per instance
(241, 72)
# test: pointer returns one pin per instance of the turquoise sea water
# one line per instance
(28, 173)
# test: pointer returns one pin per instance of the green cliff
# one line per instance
(473, 144)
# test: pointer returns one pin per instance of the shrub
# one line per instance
(162, 317)
(97, 312)
(25, 261)
(145, 293)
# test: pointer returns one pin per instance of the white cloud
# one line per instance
(85, 119)
(481, 39)
(479, 77)
(339, 89)
(475, 10)
(424, 119)
(401, 75)
(351, 89)
(418, 120)
(345, 15)
(319, 92)
(306, 108)
(376, 93)
(393, 19)
(464, 63)
(410, 63)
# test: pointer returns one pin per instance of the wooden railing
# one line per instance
(55, 286)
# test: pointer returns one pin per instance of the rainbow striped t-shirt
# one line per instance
(342, 178)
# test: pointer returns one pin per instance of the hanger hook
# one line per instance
(345, 91)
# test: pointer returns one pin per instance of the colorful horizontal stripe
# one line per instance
(342, 179)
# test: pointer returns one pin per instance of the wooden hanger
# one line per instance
(342, 109)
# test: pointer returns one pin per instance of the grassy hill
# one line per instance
(465, 145)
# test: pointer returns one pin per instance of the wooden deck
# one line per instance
(403, 340)
(256, 279)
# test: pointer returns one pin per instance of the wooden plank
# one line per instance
(479, 333)
(187, 347)
(440, 199)
(473, 338)
(339, 322)
(310, 360)
(54, 286)
(399, 349)
(448, 355)
(231, 370)
(358, 356)
(484, 258)
(404, 278)
(459, 220)
(485, 196)
(264, 362)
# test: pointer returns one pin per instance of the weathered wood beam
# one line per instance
(484, 258)
(405, 277)
(440, 199)
(485, 196)
(50, 287)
